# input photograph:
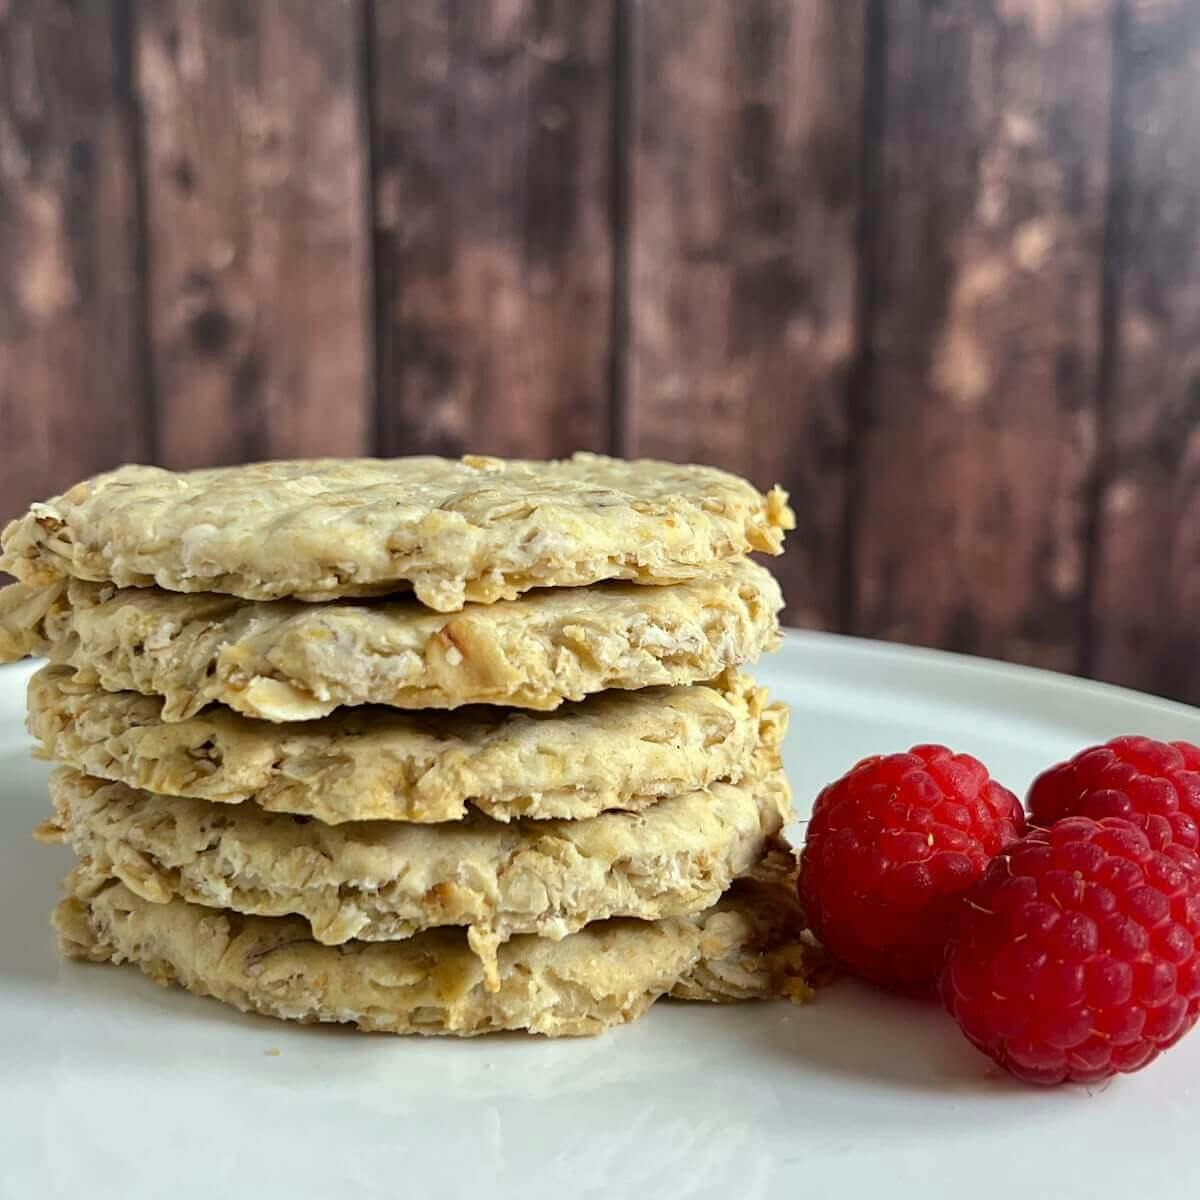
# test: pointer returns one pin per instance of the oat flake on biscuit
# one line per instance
(475, 529)
(616, 750)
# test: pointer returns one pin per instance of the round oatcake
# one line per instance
(285, 660)
(615, 750)
(472, 529)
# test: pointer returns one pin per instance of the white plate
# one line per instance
(111, 1086)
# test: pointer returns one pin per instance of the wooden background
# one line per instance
(933, 264)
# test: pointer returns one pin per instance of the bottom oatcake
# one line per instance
(384, 880)
(748, 946)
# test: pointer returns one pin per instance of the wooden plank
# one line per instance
(744, 202)
(1148, 579)
(492, 149)
(71, 388)
(258, 228)
(975, 464)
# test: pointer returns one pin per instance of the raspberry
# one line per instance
(1156, 785)
(1079, 957)
(890, 850)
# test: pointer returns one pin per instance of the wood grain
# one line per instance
(492, 153)
(975, 463)
(258, 230)
(744, 201)
(71, 387)
(1148, 578)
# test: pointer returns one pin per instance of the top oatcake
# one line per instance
(478, 529)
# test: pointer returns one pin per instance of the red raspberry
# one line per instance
(1079, 957)
(890, 850)
(1156, 785)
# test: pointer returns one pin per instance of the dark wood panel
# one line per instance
(1148, 581)
(258, 230)
(71, 389)
(492, 156)
(974, 465)
(744, 199)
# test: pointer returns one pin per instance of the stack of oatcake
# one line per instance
(411, 744)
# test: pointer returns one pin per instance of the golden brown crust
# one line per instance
(475, 529)
(284, 660)
(615, 750)
(749, 946)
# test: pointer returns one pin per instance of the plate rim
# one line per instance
(964, 665)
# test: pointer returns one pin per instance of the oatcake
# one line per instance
(285, 660)
(615, 750)
(478, 529)
(746, 947)
(386, 880)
